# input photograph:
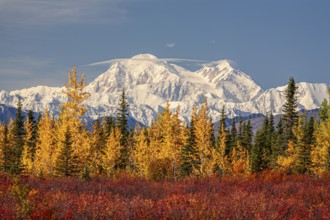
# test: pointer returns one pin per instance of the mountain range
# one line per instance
(150, 82)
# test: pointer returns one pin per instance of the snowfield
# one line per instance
(150, 82)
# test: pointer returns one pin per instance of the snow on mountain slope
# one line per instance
(231, 84)
(310, 96)
(150, 82)
(35, 98)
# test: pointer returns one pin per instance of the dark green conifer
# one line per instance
(66, 162)
(247, 136)
(256, 153)
(18, 139)
(303, 149)
(188, 152)
(122, 125)
(290, 117)
(31, 142)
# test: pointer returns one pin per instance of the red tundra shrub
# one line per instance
(269, 196)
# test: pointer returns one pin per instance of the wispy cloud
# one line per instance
(170, 60)
(170, 45)
(22, 72)
(40, 12)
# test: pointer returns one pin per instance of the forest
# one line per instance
(52, 166)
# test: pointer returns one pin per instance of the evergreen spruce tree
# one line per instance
(30, 141)
(108, 123)
(302, 160)
(309, 138)
(66, 162)
(240, 129)
(223, 118)
(122, 127)
(188, 153)
(247, 136)
(18, 140)
(290, 117)
(325, 109)
(256, 153)
(278, 146)
(233, 135)
(266, 143)
(262, 149)
(222, 128)
(98, 141)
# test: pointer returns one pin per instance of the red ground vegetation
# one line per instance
(267, 197)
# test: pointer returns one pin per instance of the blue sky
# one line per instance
(41, 40)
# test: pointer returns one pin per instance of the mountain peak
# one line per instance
(145, 56)
(221, 64)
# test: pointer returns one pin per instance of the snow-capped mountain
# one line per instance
(150, 82)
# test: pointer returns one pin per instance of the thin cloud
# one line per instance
(40, 12)
(22, 72)
(170, 45)
(170, 60)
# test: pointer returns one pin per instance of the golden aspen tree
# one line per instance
(9, 147)
(97, 143)
(203, 134)
(46, 152)
(167, 137)
(297, 157)
(2, 144)
(29, 146)
(240, 161)
(287, 161)
(223, 163)
(320, 154)
(69, 118)
(111, 154)
(76, 95)
(142, 153)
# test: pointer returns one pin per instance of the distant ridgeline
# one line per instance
(8, 112)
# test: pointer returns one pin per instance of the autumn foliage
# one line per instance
(271, 196)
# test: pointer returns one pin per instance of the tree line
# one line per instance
(63, 146)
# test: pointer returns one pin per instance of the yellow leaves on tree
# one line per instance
(240, 161)
(167, 137)
(320, 153)
(206, 154)
(28, 147)
(112, 150)
(69, 118)
(142, 153)
(2, 144)
(288, 160)
(46, 152)
(76, 95)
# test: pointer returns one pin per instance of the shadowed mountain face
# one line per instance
(150, 82)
